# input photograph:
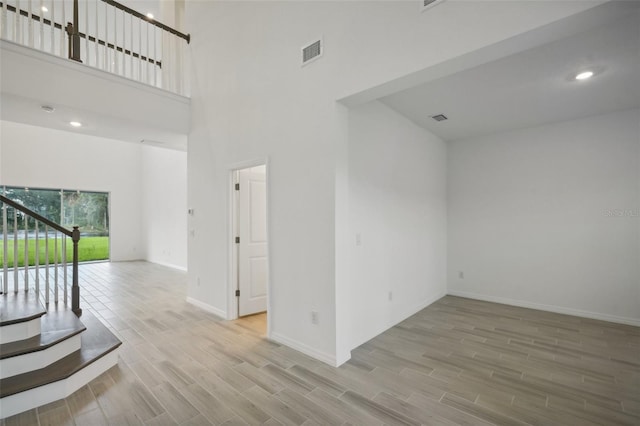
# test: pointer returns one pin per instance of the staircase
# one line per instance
(47, 351)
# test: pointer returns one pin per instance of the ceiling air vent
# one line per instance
(439, 117)
(427, 4)
(311, 52)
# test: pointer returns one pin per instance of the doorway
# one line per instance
(251, 261)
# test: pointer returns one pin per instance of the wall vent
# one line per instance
(439, 117)
(427, 4)
(311, 52)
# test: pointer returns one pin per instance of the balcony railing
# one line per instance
(103, 34)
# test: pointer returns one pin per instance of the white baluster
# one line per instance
(86, 31)
(37, 261)
(3, 19)
(15, 250)
(5, 246)
(116, 64)
(5, 273)
(148, 54)
(180, 68)
(97, 34)
(64, 266)
(17, 27)
(26, 253)
(46, 264)
(161, 70)
(30, 24)
(55, 267)
(41, 13)
(63, 44)
(53, 27)
(124, 44)
(155, 55)
(131, 47)
(139, 49)
(106, 37)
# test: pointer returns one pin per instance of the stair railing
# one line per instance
(103, 34)
(12, 214)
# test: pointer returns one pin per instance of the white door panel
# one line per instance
(252, 251)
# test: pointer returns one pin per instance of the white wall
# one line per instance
(136, 178)
(164, 206)
(45, 158)
(397, 208)
(252, 101)
(532, 217)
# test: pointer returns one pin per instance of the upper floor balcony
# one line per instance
(103, 34)
(122, 73)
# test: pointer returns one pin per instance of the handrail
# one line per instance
(92, 39)
(75, 237)
(137, 14)
(35, 215)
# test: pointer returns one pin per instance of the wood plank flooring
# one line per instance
(457, 362)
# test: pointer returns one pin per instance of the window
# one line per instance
(87, 210)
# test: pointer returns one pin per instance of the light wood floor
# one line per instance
(256, 323)
(457, 362)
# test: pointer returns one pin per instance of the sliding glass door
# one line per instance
(88, 210)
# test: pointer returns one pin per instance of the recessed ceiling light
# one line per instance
(44, 9)
(585, 75)
(47, 108)
(75, 124)
(150, 15)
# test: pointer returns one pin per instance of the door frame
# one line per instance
(232, 227)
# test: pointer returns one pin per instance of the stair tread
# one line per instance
(56, 326)
(19, 307)
(97, 341)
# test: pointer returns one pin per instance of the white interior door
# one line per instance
(252, 248)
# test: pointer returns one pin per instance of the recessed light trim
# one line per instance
(75, 124)
(149, 15)
(47, 108)
(44, 9)
(584, 75)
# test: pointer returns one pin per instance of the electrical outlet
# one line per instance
(390, 296)
(461, 275)
(314, 317)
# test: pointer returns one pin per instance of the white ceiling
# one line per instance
(533, 87)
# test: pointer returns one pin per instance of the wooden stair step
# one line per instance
(19, 307)
(56, 326)
(97, 341)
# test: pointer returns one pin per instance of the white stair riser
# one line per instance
(19, 331)
(23, 401)
(39, 359)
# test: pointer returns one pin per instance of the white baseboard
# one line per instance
(304, 348)
(548, 308)
(168, 265)
(420, 306)
(23, 401)
(403, 315)
(204, 306)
